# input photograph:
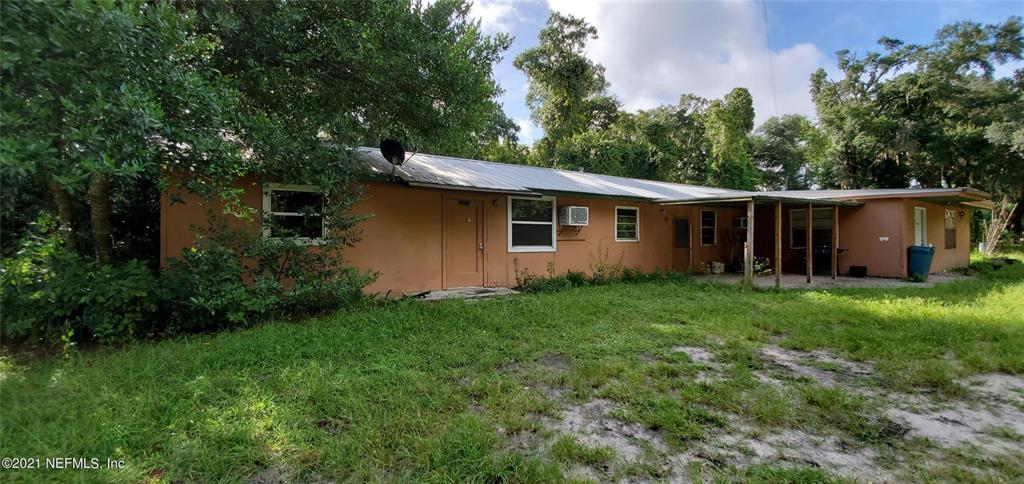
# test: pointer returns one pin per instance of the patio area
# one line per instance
(799, 281)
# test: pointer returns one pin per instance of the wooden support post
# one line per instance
(810, 241)
(778, 245)
(748, 256)
(835, 241)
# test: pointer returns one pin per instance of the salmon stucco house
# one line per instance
(443, 222)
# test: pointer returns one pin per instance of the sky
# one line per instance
(654, 51)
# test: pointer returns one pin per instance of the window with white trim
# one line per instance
(293, 211)
(627, 224)
(708, 227)
(822, 225)
(920, 226)
(950, 224)
(531, 224)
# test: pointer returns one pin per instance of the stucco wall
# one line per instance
(944, 258)
(402, 236)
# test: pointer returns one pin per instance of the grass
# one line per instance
(439, 392)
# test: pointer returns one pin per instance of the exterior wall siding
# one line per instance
(402, 236)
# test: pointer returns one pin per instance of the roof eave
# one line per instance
(760, 198)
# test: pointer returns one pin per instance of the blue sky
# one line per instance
(656, 50)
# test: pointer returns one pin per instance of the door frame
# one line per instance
(689, 240)
(444, 234)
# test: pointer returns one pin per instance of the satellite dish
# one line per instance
(392, 151)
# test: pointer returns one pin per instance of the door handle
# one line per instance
(481, 246)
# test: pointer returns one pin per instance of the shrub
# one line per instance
(52, 296)
(527, 282)
(577, 278)
(203, 289)
(49, 293)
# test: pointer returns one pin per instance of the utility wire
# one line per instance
(771, 64)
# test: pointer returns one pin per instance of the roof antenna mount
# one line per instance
(393, 152)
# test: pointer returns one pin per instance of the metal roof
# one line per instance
(460, 173)
(437, 171)
(830, 197)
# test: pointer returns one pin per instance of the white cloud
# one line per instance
(496, 16)
(655, 51)
(528, 132)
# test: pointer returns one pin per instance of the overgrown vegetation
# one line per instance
(466, 382)
(601, 272)
(106, 105)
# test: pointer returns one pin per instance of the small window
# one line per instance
(920, 226)
(822, 224)
(627, 224)
(950, 229)
(708, 227)
(531, 224)
(293, 211)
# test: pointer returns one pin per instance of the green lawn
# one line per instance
(444, 391)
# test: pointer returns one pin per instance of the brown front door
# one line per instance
(463, 242)
(681, 245)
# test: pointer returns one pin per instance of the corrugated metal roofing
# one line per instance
(460, 173)
(434, 170)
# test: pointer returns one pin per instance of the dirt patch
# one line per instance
(556, 363)
(748, 445)
(818, 365)
(696, 354)
(593, 425)
(705, 358)
(510, 367)
(996, 401)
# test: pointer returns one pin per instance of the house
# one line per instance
(438, 222)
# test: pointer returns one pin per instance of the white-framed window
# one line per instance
(531, 224)
(627, 224)
(950, 226)
(822, 225)
(708, 227)
(294, 211)
(920, 226)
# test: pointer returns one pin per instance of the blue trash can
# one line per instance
(919, 260)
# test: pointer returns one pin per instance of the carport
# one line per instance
(750, 201)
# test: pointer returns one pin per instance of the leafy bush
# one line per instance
(527, 282)
(203, 289)
(49, 293)
(52, 296)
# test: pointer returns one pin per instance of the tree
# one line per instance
(99, 101)
(99, 97)
(727, 126)
(780, 148)
(567, 93)
(921, 112)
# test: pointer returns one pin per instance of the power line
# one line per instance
(771, 64)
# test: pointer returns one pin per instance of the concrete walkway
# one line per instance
(467, 293)
(799, 281)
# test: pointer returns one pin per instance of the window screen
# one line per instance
(627, 223)
(708, 223)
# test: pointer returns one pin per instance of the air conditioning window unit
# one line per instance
(574, 216)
